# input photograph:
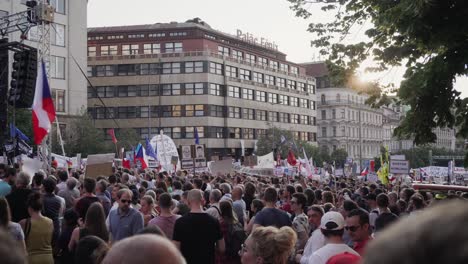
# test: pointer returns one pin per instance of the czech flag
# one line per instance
(43, 113)
(365, 171)
(140, 156)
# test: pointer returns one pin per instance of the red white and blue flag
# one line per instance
(43, 113)
(365, 171)
(140, 157)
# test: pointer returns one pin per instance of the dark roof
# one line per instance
(171, 25)
(192, 23)
(315, 69)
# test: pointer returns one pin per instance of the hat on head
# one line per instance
(344, 258)
(332, 221)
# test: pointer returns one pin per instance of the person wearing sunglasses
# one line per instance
(357, 225)
(332, 226)
(124, 221)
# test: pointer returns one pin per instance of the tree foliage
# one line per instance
(339, 157)
(23, 121)
(427, 37)
(420, 157)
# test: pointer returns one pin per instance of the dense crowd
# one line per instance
(136, 216)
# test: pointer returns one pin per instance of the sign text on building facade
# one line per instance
(249, 38)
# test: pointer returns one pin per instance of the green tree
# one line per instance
(127, 138)
(339, 157)
(311, 151)
(272, 141)
(23, 121)
(427, 37)
(82, 137)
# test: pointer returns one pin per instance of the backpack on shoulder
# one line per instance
(236, 237)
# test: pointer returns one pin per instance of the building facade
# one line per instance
(181, 76)
(393, 114)
(68, 41)
(375, 127)
(344, 120)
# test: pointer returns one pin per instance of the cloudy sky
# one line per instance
(271, 19)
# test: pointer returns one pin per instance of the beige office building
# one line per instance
(181, 76)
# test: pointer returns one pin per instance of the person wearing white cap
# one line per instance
(332, 226)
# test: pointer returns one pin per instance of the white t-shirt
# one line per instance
(316, 241)
(322, 255)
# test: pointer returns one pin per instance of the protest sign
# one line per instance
(99, 165)
(222, 166)
(30, 166)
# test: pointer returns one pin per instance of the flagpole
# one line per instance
(59, 132)
(116, 150)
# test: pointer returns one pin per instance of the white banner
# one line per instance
(266, 161)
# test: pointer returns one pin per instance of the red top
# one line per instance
(360, 246)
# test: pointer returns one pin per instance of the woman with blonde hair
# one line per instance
(147, 208)
(269, 245)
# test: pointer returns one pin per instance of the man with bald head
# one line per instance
(144, 249)
(198, 234)
(238, 204)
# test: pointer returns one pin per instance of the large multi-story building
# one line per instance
(375, 127)
(344, 120)
(181, 76)
(68, 41)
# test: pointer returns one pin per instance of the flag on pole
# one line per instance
(111, 133)
(197, 139)
(43, 111)
(283, 139)
(140, 156)
(291, 158)
(14, 131)
(365, 171)
(307, 164)
(149, 150)
(294, 145)
(242, 147)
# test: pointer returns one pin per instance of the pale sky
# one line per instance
(270, 19)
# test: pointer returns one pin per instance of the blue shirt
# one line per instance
(272, 217)
(5, 188)
(123, 225)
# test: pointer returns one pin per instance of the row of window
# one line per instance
(253, 59)
(198, 89)
(367, 133)
(124, 112)
(140, 35)
(215, 132)
(57, 34)
(244, 74)
(350, 99)
(196, 67)
(352, 115)
(133, 49)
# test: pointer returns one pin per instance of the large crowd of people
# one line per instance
(146, 216)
